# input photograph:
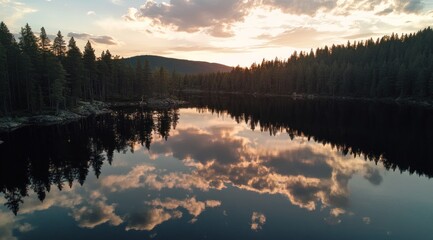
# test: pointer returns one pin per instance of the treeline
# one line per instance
(37, 74)
(390, 67)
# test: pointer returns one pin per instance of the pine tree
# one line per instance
(58, 76)
(4, 82)
(6, 38)
(109, 84)
(59, 45)
(74, 69)
(44, 41)
(31, 59)
(89, 63)
(29, 43)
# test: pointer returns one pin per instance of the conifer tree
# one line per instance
(59, 45)
(74, 69)
(89, 64)
(44, 41)
(31, 60)
(4, 82)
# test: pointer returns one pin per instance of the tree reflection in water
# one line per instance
(37, 158)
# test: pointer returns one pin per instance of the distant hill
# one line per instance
(180, 65)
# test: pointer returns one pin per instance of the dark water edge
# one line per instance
(83, 110)
(9, 124)
(400, 136)
(416, 102)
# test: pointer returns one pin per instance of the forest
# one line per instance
(389, 67)
(39, 74)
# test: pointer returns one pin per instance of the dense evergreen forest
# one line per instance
(180, 66)
(390, 67)
(37, 74)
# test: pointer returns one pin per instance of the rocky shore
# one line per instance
(154, 103)
(83, 110)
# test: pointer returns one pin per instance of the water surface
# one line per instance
(226, 169)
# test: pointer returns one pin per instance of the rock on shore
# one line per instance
(84, 109)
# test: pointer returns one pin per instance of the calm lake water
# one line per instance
(228, 168)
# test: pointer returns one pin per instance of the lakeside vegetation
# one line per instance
(39, 75)
(389, 67)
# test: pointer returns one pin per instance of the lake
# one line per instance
(229, 167)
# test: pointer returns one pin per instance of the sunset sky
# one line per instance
(225, 31)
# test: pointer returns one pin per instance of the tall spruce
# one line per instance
(59, 45)
(44, 41)
(74, 69)
(30, 64)
(4, 83)
(90, 71)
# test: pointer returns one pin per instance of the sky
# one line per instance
(231, 32)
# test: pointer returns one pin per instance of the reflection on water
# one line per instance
(193, 174)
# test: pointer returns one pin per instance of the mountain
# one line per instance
(180, 65)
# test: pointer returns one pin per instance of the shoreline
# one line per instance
(83, 110)
(87, 109)
(425, 103)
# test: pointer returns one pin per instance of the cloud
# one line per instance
(214, 17)
(309, 176)
(257, 221)
(366, 220)
(164, 210)
(117, 2)
(300, 37)
(96, 214)
(386, 6)
(133, 179)
(7, 226)
(10, 223)
(14, 10)
(24, 227)
(305, 175)
(90, 13)
(193, 206)
(89, 211)
(335, 212)
(373, 176)
(65, 198)
(148, 220)
(213, 203)
(203, 146)
(106, 40)
(385, 11)
(308, 7)
(302, 161)
(144, 176)
(413, 6)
